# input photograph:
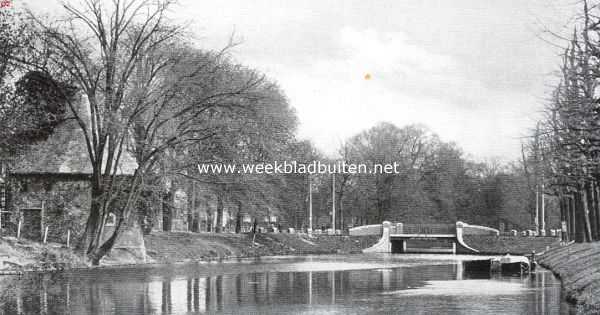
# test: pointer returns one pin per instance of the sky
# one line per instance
(476, 72)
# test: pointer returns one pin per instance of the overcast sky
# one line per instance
(475, 72)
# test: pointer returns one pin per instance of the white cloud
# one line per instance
(390, 52)
(409, 85)
(471, 70)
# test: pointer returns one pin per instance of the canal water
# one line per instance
(335, 284)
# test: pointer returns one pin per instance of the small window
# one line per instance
(112, 219)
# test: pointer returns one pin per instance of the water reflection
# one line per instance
(443, 288)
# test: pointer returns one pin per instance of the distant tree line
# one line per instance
(437, 183)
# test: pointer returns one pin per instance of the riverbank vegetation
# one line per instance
(17, 255)
(20, 255)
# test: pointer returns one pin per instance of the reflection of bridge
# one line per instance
(429, 238)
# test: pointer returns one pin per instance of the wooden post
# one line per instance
(42, 221)
(46, 234)
(68, 238)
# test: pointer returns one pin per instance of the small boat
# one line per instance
(507, 265)
(514, 265)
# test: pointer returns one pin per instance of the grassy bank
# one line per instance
(578, 266)
(177, 247)
(18, 255)
(180, 247)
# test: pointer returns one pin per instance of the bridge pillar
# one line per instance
(459, 236)
(383, 245)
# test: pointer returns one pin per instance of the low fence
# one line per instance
(400, 228)
(48, 234)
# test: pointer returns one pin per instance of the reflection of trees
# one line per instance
(166, 306)
(228, 293)
(221, 293)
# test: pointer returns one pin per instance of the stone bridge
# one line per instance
(422, 238)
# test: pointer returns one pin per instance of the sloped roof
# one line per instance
(64, 152)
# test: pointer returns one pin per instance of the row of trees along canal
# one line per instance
(565, 146)
(152, 92)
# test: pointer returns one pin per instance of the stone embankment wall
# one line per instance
(578, 266)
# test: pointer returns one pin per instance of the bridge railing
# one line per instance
(425, 228)
(373, 229)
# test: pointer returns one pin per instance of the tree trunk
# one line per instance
(209, 217)
(94, 225)
(102, 250)
(173, 213)
(238, 219)
(592, 213)
(340, 224)
(219, 225)
(191, 207)
(380, 209)
(572, 218)
(597, 209)
(579, 218)
(586, 214)
(92, 222)
(561, 205)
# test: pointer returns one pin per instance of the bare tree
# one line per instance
(129, 62)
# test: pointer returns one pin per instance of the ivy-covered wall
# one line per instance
(64, 200)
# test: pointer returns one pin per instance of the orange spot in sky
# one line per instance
(368, 76)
